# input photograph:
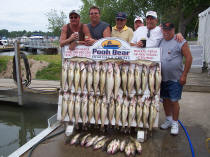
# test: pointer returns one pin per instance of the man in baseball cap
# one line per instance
(74, 12)
(151, 32)
(167, 26)
(152, 14)
(138, 22)
(121, 30)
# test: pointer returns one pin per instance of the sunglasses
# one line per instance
(120, 20)
(96, 13)
(73, 17)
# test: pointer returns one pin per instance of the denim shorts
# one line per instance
(171, 90)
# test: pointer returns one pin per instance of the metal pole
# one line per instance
(18, 73)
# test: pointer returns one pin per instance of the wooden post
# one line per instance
(18, 73)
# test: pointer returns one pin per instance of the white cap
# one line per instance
(138, 18)
(151, 13)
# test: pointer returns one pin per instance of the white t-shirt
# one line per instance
(155, 36)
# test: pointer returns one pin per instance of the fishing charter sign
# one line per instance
(112, 48)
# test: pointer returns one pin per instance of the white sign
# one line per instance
(113, 48)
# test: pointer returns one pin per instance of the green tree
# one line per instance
(183, 13)
(56, 21)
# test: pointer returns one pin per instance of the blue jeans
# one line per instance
(171, 90)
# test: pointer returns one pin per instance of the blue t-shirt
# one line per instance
(97, 31)
(171, 59)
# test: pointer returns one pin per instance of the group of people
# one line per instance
(174, 48)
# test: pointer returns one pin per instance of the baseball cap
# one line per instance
(74, 12)
(151, 13)
(167, 25)
(121, 15)
(138, 19)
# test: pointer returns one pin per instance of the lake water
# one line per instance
(20, 124)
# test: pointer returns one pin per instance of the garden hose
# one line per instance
(188, 137)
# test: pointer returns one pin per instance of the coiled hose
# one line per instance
(188, 137)
(26, 82)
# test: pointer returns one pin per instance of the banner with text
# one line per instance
(112, 48)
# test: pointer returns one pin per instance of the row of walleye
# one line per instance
(123, 112)
(111, 145)
(110, 77)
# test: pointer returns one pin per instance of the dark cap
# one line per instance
(121, 15)
(74, 12)
(168, 25)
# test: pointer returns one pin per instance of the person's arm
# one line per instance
(188, 61)
(179, 37)
(63, 37)
(107, 32)
(87, 35)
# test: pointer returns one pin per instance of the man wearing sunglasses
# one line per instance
(74, 33)
(174, 75)
(98, 29)
(121, 30)
(151, 32)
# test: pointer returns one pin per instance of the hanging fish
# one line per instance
(70, 75)
(144, 79)
(137, 78)
(83, 76)
(102, 78)
(139, 109)
(64, 108)
(111, 110)
(124, 79)
(157, 79)
(117, 80)
(64, 76)
(90, 108)
(109, 81)
(151, 81)
(118, 111)
(89, 78)
(84, 110)
(96, 77)
(70, 103)
(130, 79)
(77, 110)
(76, 77)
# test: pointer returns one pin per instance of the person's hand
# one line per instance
(89, 41)
(74, 36)
(179, 37)
(139, 44)
(183, 79)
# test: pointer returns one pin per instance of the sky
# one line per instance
(30, 15)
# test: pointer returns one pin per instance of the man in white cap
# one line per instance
(151, 32)
(138, 22)
(74, 32)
